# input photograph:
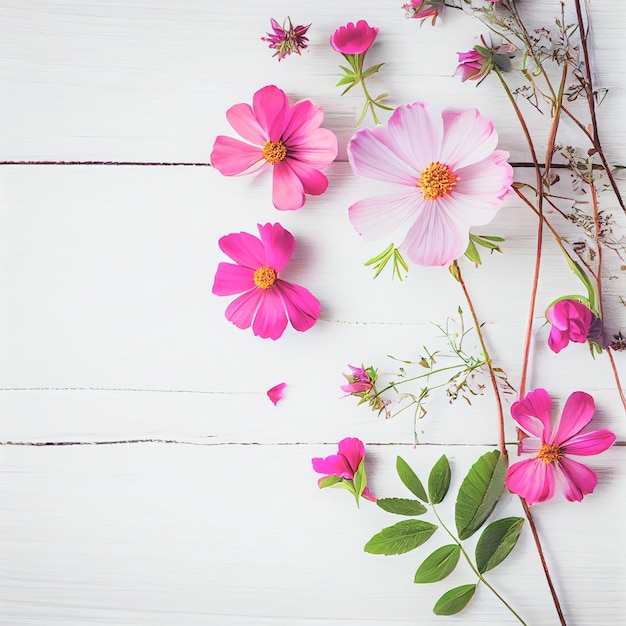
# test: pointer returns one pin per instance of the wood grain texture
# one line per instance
(146, 477)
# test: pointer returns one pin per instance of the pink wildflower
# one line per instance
(471, 65)
(286, 39)
(286, 139)
(360, 381)
(276, 392)
(571, 321)
(421, 9)
(535, 479)
(354, 38)
(452, 176)
(344, 465)
(266, 301)
(477, 63)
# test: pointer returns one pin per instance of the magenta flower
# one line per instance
(276, 392)
(360, 381)
(286, 139)
(266, 301)
(353, 38)
(471, 65)
(421, 9)
(451, 176)
(344, 468)
(571, 321)
(286, 38)
(535, 479)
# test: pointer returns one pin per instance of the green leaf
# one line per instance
(345, 81)
(329, 481)
(439, 480)
(496, 542)
(439, 564)
(410, 479)
(372, 70)
(479, 493)
(401, 537)
(472, 253)
(401, 506)
(453, 268)
(455, 600)
(360, 479)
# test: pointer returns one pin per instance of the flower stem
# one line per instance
(492, 373)
(469, 561)
(618, 382)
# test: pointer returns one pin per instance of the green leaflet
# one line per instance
(455, 600)
(496, 542)
(401, 506)
(439, 480)
(401, 537)
(479, 493)
(329, 481)
(410, 479)
(439, 564)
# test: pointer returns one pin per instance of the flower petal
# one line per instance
(287, 190)
(270, 320)
(436, 238)
(278, 244)
(243, 248)
(276, 392)
(242, 119)
(232, 157)
(242, 310)
(370, 156)
(303, 308)
(270, 106)
(557, 339)
(354, 452)
(367, 494)
(317, 149)
(302, 119)
(313, 181)
(532, 414)
(590, 443)
(333, 465)
(575, 479)
(532, 479)
(375, 218)
(468, 138)
(577, 413)
(231, 279)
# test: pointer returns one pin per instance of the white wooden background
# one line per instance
(170, 491)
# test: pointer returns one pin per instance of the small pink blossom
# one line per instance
(344, 465)
(450, 175)
(421, 9)
(471, 65)
(360, 381)
(286, 38)
(536, 479)
(276, 393)
(354, 38)
(571, 321)
(478, 63)
(285, 139)
(267, 302)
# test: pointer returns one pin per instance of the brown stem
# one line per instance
(598, 233)
(492, 373)
(120, 163)
(618, 382)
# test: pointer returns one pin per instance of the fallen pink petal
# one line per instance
(276, 393)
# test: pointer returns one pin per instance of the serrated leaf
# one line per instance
(329, 481)
(401, 506)
(439, 480)
(455, 600)
(410, 479)
(479, 493)
(401, 537)
(496, 542)
(439, 564)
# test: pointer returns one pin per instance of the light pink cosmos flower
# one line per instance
(353, 38)
(286, 139)
(345, 464)
(276, 393)
(286, 38)
(535, 479)
(266, 301)
(571, 321)
(451, 175)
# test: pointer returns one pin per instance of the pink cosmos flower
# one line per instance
(266, 301)
(420, 9)
(345, 464)
(286, 139)
(353, 38)
(451, 176)
(571, 321)
(535, 479)
(286, 38)
(276, 392)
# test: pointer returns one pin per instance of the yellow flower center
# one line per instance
(549, 453)
(274, 151)
(265, 277)
(436, 181)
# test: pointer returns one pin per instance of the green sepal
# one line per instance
(371, 70)
(410, 479)
(496, 542)
(439, 480)
(401, 506)
(401, 537)
(329, 481)
(439, 564)
(455, 600)
(360, 480)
